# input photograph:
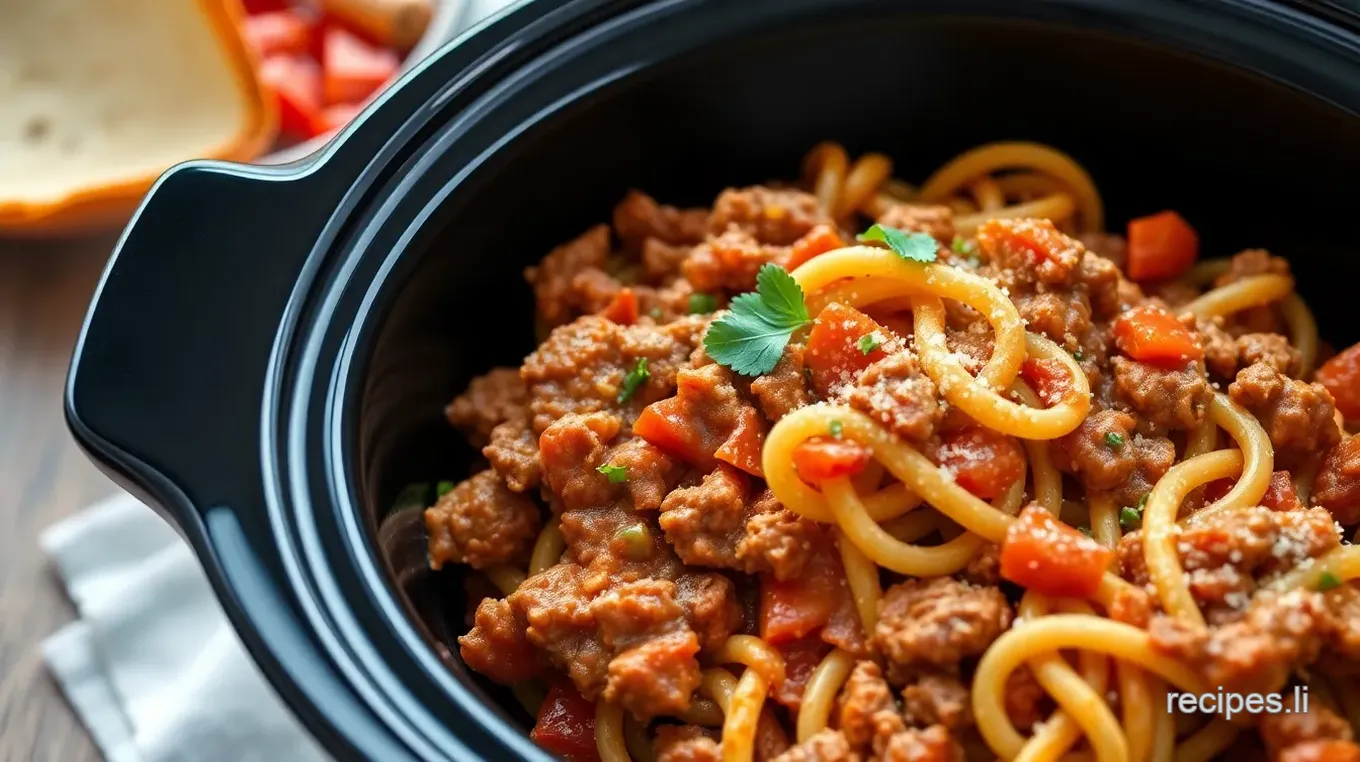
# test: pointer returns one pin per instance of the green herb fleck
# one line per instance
(637, 541)
(702, 304)
(616, 474)
(1327, 581)
(1114, 439)
(635, 378)
(750, 337)
(869, 342)
(836, 427)
(1078, 355)
(1130, 518)
(1142, 501)
(1085, 530)
(655, 312)
(917, 247)
(443, 488)
(961, 245)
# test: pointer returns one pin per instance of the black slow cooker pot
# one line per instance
(268, 354)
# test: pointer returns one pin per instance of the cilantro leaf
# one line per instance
(1327, 581)
(917, 247)
(869, 342)
(1129, 518)
(702, 304)
(443, 488)
(836, 428)
(750, 337)
(635, 378)
(1114, 440)
(615, 474)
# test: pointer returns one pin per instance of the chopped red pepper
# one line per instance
(334, 117)
(704, 423)
(1049, 379)
(744, 445)
(982, 461)
(1161, 246)
(834, 354)
(1152, 335)
(801, 657)
(817, 460)
(566, 724)
(275, 32)
(296, 82)
(819, 240)
(800, 607)
(1050, 557)
(1341, 376)
(1036, 239)
(1280, 494)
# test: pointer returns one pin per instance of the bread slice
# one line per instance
(97, 93)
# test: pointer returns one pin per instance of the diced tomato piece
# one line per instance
(353, 68)
(276, 32)
(693, 428)
(566, 724)
(982, 461)
(334, 117)
(800, 607)
(1341, 376)
(624, 307)
(1049, 379)
(833, 354)
(819, 240)
(1161, 246)
(1280, 493)
(1152, 335)
(820, 459)
(743, 446)
(265, 6)
(1045, 555)
(1037, 239)
(296, 83)
(801, 657)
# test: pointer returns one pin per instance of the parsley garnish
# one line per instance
(635, 378)
(750, 337)
(655, 312)
(917, 247)
(1077, 354)
(836, 427)
(443, 488)
(616, 474)
(1327, 581)
(702, 304)
(1130, 518)
(1142, 501)
(1114, 439)
(869, 342)
(961, 245)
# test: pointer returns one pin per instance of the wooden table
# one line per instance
(44, 290)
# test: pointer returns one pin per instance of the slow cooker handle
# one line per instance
(165, 393)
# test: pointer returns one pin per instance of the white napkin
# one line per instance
(152, 666)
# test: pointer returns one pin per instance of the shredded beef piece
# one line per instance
(784, 389)
(1285, 734)
(1109, 246)
(555, 606)
(1027, 702)
(661, 261)
(705, 522)
(1220, 349)
(864, 695)
(561, 290)
(1061, 316)
(936, 221)
(1255, 654)
(481, 523)
(728, 263)
(1270, 349)
(489, 401)
(937, 700)
(933, 625)
(581, 366)
(709, 411)
(686, 743)
(1086, 452)
(1299, 417)
(934, 744)
(497, 647)
(985, 567)
(773, 216)
(711, 607)
(826, 746)
(638, 217)
(1109, 293)
(656, 677)
(572, 450)
(1032, 250)
(1162, 399)
(1152, 457)
(1342, 651)
(1252, 262)
(777, 540)
(513, 453)
(1337, 486)
(896, 392)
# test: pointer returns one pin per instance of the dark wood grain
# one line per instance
(44, 290)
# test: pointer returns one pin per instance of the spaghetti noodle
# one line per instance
(894, 447)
